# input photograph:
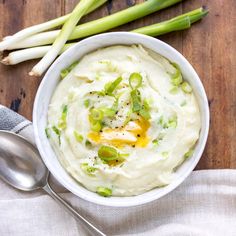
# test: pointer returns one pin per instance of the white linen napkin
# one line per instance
(205, 204)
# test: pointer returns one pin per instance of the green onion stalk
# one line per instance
(178, 23)
(99, 25)
(10, 41)
(62, 37)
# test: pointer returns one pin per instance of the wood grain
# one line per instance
(208, 45)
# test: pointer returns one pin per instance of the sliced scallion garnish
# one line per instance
(186, 87)
(105, 192)
(88, 143)
(62, 121)
(108, 112)
(111, 86)
(58, 133)
(67, 70)
(79, 138)
(135, 80)
(47, 132)
(96, 114)
(189, 153)
(176, 78)
(96, 126)
(88, 169)
(174, 90)
(155, 141)
(107, 153)
(86, 103)
(136, 100)
(145, 111)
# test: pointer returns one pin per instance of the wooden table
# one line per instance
(208, 45)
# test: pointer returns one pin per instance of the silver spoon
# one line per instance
(22, 168)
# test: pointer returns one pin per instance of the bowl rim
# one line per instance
(101, 200)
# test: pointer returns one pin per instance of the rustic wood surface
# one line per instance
(209, 45)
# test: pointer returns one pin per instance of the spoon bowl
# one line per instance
(22, 168)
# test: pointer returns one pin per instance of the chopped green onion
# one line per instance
(135, 80)
(111, 86)
(145, 114)
(62, 121)
(56, 130)
(88, 169)
(186, 87)
(107, 153)
(86, 103)
(124, 154)
(174, 90)
(96, 126)
(115, 105)
(88, 143)
(96, 114)
(105, 192)
(58, 133)
(172, 123)
(161, 121)
(189, 153)
(67, 70)
(136, 100)
(155, 141)
(47, 132)
(108, 112)
(78, 136)
(176, 78)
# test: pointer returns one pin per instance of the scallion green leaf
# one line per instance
(145, 113)
(174, 90)
(108, 112)
(108, 153)
(96, 114)
(86, 103)
(111, 86)
(186, 87)
(62, 122)
(105, 192)
(155, 141)
(67, 70)
(136, 100)
(89, 170)
(176, 78)
(58, 133)
(96, 126)
(88, 143)
(135, 80)
(47, 132)
(79, 138)
(189, 153)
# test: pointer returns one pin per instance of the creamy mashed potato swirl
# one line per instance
(122, 120)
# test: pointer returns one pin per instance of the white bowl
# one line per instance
(51, 80)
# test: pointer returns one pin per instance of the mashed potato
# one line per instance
(122, 120)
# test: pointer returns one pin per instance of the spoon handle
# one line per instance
(92, 229)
